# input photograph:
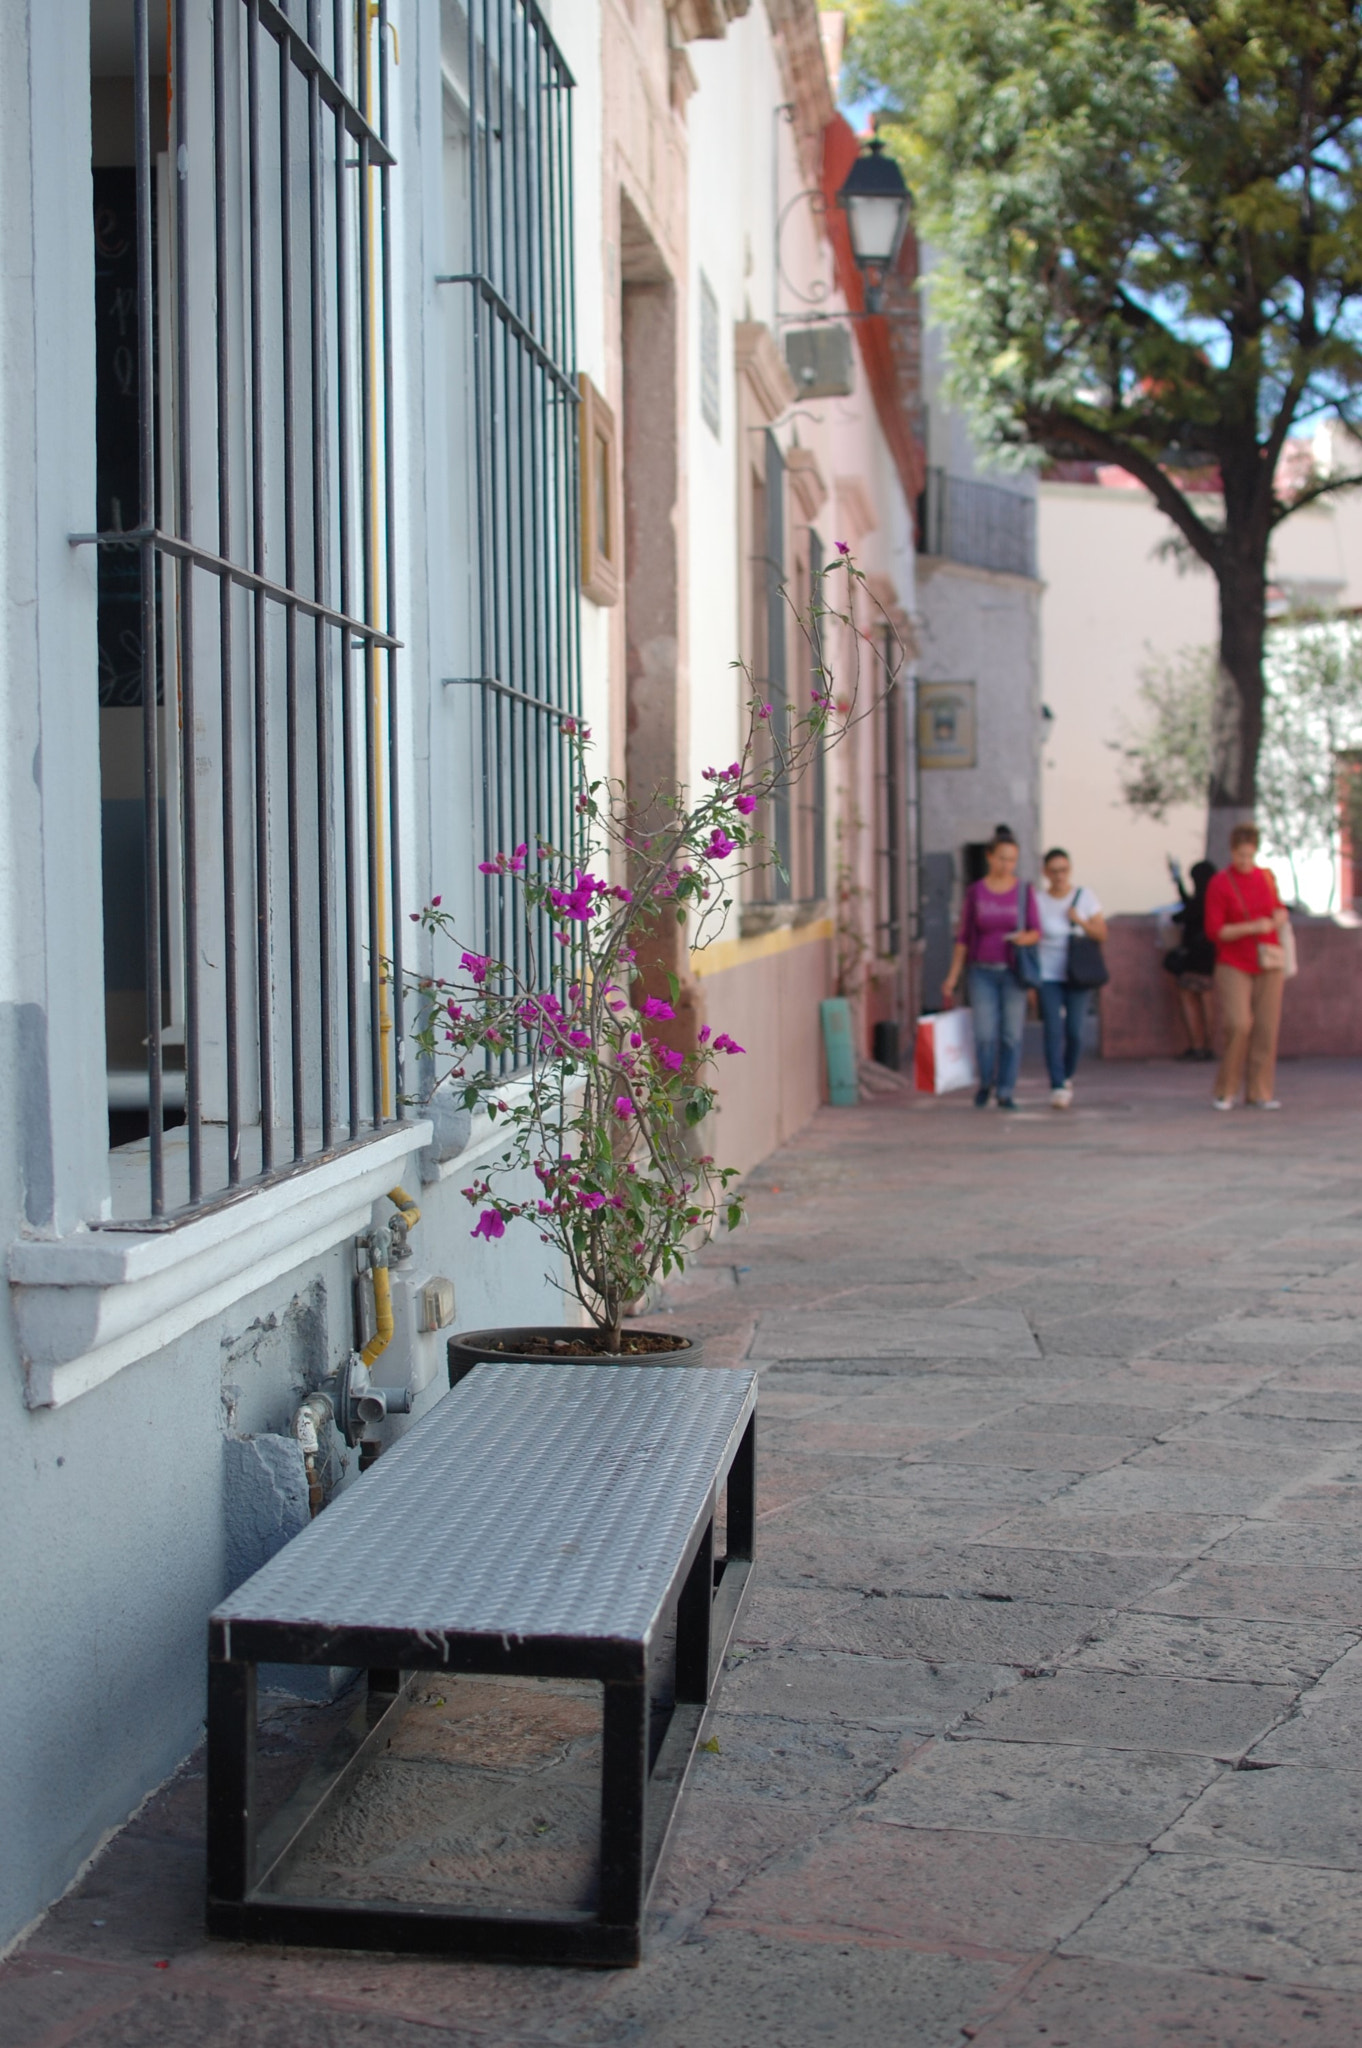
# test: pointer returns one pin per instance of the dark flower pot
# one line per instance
(548, 1345)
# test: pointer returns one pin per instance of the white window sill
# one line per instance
(488, 1137)
(89, 1304)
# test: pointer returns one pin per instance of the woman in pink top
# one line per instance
(995, 916)
(1244, 919)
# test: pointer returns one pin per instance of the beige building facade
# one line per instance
(1118, 603)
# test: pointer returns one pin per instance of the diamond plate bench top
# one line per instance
(535, 1501)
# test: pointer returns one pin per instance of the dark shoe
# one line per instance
(1006, 1102)
(1193, 1052)
(1206, 1055)
(981, 1098)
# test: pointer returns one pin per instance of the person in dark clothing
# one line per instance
(1192, 961)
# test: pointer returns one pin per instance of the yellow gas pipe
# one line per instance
(383, 1292)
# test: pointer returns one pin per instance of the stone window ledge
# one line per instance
(92, 1303)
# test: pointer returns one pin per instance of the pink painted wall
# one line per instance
(771, 1007)
(1321, 1017)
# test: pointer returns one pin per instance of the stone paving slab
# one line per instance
(963, 1485)
(925, 1888)
(1288, 1543)
(909, 1334)
(1262, 1652)
(1326, 1731)
(870, 1692)
(1280, 1921)
(1035, 1450)
(157, 2019)
(1138, 1489)
(812, 1761)
(1038, 1734)
(1195, 1717)
(1074, 1578)
(1081, 2004)
(1077, 1792)
(765, 1991)
(1064, 1525)
(1282, 1815)
(1184, 1453)
(1267, 1593)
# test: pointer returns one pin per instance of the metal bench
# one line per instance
(541, 1520)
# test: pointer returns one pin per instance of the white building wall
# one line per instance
(1117, 602)
(978, 626)
(747, 186)
(121, 1507)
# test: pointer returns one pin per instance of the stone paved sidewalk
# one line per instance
(1043, 1732)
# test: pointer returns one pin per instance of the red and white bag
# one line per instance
(943, 1057)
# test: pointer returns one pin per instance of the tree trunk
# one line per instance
(1237, 717)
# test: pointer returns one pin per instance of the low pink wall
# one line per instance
(771, 1007)
(1321, 1016)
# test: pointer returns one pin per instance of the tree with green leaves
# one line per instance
(1312, 727)
(1147, 216)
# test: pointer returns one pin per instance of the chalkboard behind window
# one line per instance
(116, 436)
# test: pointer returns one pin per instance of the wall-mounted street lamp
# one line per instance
(877, 204)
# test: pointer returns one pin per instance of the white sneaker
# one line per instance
(1221, 1102)
(1273, 1104)
(1060, 1098)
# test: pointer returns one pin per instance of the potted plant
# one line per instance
(605, 1109)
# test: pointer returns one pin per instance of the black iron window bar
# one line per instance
(517, 291)
(889, 851)
(278, 158)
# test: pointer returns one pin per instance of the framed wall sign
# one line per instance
(602, 551)
(946, 735)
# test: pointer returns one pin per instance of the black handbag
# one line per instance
(1025, 964)
(1087, 963)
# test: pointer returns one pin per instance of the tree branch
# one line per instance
(1068, 427)
(1311, 492)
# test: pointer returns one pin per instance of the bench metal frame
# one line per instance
(248, 1863)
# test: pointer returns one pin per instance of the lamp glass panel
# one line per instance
(874, 224)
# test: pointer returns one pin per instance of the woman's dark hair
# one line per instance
(1203, 874)
(1055, 853)
(1003, 835)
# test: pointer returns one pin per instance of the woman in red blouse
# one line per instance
(1244, 919)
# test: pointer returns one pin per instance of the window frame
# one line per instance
(219, 136)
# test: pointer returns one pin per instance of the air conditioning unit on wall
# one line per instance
(819, 360)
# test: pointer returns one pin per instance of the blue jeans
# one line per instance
(998, 1001)
(1062, 1012)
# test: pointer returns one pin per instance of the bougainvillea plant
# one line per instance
(599, 1108)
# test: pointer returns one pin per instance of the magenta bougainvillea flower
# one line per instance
(554, 1041)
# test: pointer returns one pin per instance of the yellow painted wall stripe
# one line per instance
(726, 953)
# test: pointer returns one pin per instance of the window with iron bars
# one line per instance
(891, 814)
(508, 149)
(248, 671)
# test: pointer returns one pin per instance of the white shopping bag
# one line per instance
(944, 1053)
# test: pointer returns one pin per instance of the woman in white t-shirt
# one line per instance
(1063, 911)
